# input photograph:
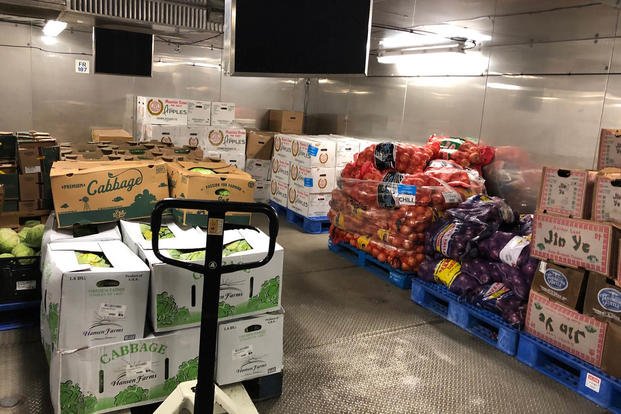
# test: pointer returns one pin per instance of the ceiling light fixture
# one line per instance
(53, 28)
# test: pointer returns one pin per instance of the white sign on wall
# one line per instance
(82, 66)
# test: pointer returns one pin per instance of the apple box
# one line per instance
(262, 191)
(281, 169)
(222, 113)
(224, 139)
(566, 193)
(259, 169)
(199, 113)
(279, 191)
(314, 151)
(317, 180)
(307, 203)
(607, 196)
(609, 154)
(576, 243)
(282, 146)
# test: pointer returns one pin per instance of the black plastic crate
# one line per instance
(21, 279)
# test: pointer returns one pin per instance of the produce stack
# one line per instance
(209, 126)
(391, 193)
(575, 299)
(129, 151)
(480, 251)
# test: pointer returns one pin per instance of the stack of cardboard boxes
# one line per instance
(305, 170)
(96, 287)
(203, 124)
(575, 300)
(128, 151)
(259, 148)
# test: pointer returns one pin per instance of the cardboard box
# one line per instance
(282, 146)
(281, 169)
(30, 186)
(167, 134)
(162, 111)
(231, 139)
(96, 232)
(242, 293)
(562, 284)
(287, 122)
(222, 113)
(262, 191)
(126, 374)
(585, 337)
(87, 306)
(607, 196)
(259, 144)
(10, 180)
(234, 159)
(315, 180)
(29, 205)
(307, 203)
(8, 147)
(199, 113)
(576, 243)
(314, 152)
(346, 148)
(111, 134)
(609, 153)
(566, 193)
(99, 192)
(249, 348)
(29, 160)
(137, 236)
(279, 192)
(259, 169)
(602, 299)
(227, 184)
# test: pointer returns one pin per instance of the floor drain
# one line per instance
(9, 402)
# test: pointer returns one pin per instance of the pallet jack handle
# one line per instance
(212, 271)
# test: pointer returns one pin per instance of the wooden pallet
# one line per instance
(14, 219)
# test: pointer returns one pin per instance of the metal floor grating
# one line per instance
(353, 344)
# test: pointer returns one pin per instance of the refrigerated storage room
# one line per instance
(312, 206)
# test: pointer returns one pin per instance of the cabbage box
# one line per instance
(85, 304)
(176, 294)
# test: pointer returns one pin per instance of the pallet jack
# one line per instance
(203, 395)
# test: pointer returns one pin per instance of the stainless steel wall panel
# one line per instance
(547, 58)
(557, 118)
(15, 86)
(441, 11)
(376, 107)
(255, 96)
(611, 116)
(525, 6)
(559, 24)
(398, 13)
(327, 106)
(442, 105)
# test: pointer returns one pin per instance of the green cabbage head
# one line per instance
(8, 240)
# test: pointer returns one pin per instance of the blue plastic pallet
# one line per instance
(312, 225)
(15, 315)
(281, 210)
(383, 270)
(481, 323)
(582, 378)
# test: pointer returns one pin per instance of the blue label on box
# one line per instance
(308, 182)
(312, 150)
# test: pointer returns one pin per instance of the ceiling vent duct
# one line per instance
(188, 14)
(38, 9)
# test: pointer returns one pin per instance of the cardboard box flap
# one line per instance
(118, 255)
(189, 238)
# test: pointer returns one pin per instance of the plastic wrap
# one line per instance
(463, 151)
(449, 273)
(490, 211)
(509, 248)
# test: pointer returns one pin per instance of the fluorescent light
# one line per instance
(438, 64)
(53, 28)
(505, 86)
(454, 47)
(439, 34)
